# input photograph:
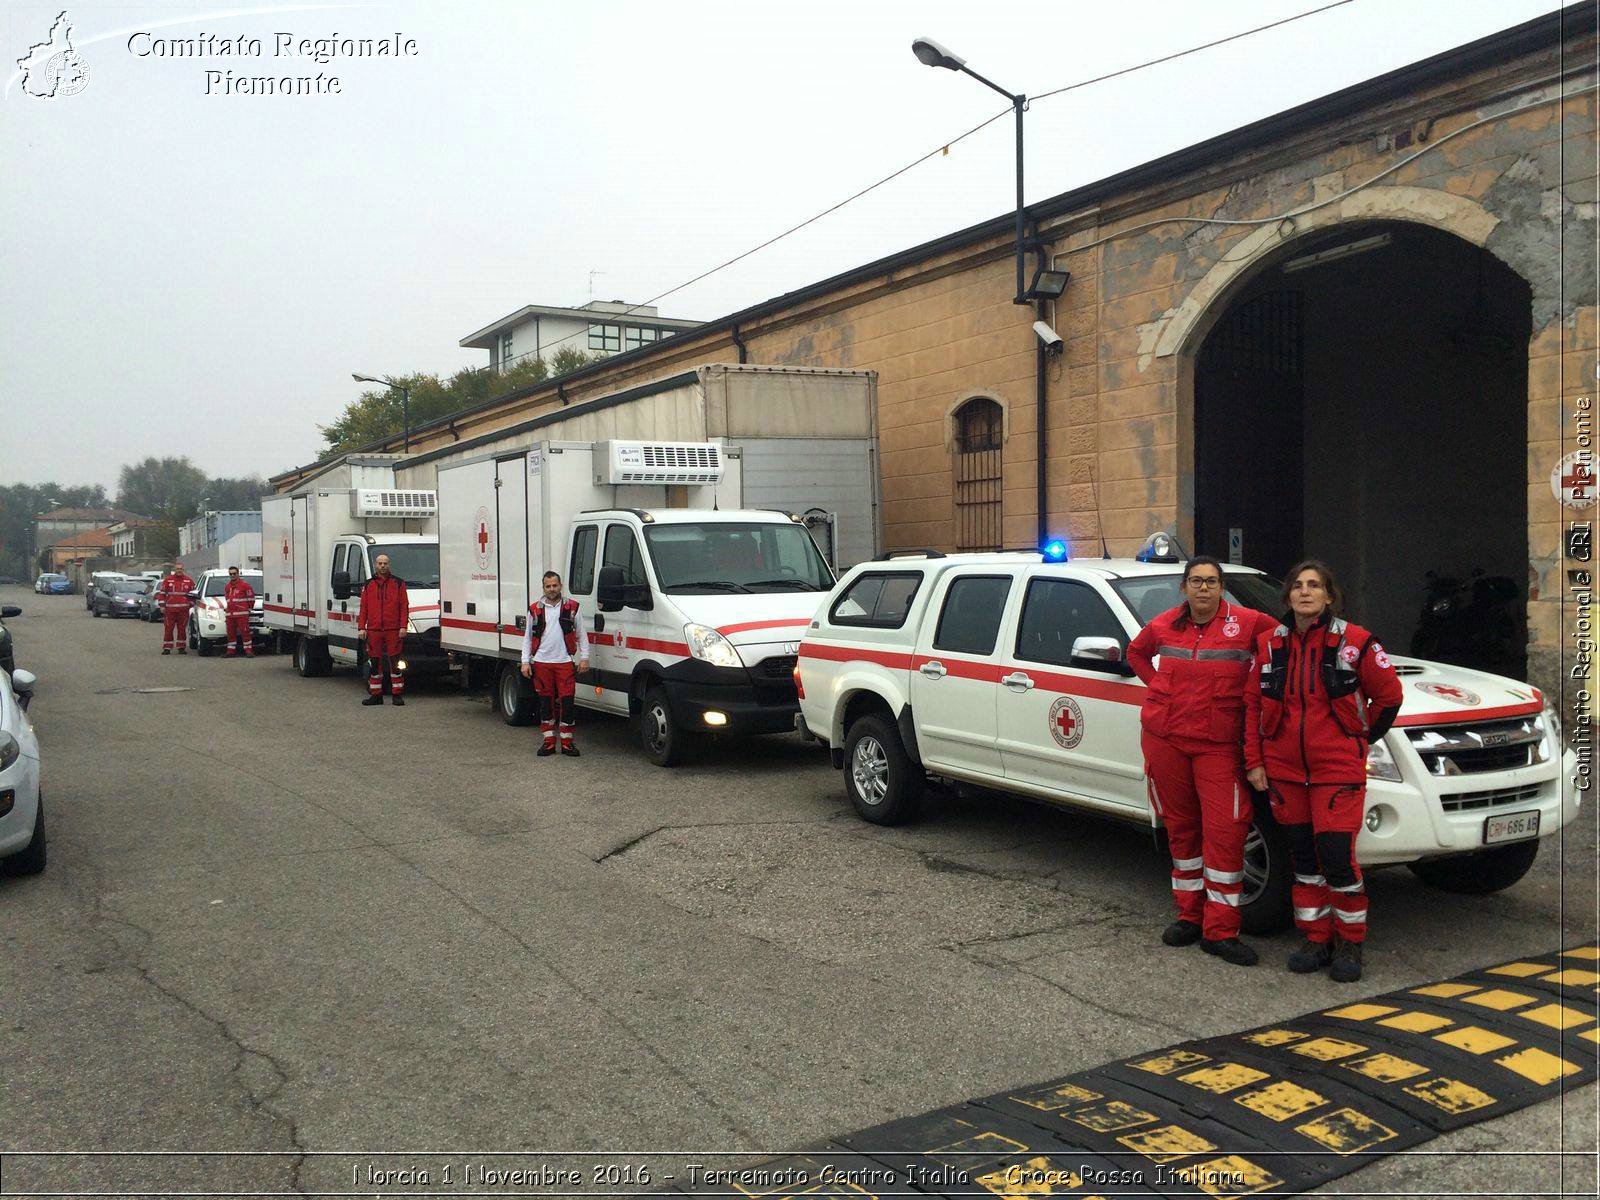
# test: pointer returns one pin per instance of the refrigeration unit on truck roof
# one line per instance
(629, 462)
(390, 502)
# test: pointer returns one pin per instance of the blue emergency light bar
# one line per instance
(1055, 550)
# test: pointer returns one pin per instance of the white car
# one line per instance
(1009, 671)
(208, 616)
(21, 804)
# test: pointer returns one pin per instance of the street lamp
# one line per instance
(1047, 284)
(405, 403)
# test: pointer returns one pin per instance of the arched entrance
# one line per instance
(1362, 397)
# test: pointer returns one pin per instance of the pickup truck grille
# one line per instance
(1464, 801)
(1448, 750)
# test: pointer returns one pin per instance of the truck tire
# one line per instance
(31, 858)
(311, 658)
(513, 696)
(883, 784)
(661, 735)
(1266, 904)
(1479, 873)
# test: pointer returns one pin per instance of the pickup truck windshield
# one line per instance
(215, 583)
(736, 556)
(1151, 595)
(415, 562)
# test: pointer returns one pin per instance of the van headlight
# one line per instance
(710, 646)
(1381, 764)
(10, 750)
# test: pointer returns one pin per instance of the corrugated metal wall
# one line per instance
(839, 475)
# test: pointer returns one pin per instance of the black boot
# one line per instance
(1181, 933)
(398, 701)
(370, 701)
(570, 750)
(1346, 965)
(546, 750)
(1312, 956)
(1231, 950)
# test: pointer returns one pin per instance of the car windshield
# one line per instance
(215, 583)
(1151, 595)
(130, 587)
(734, 556)
(415, 562)
(51, 578)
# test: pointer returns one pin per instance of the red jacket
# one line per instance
(238, 597)
(173, 592)
(1316, 701)
(385, 606)
(1198, 691)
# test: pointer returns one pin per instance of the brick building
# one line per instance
(1357, 328)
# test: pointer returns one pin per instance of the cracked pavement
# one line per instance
(279, 924)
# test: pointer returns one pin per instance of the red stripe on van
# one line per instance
(475, 626)
(679, 648)
(1471, 714)
(743, 626)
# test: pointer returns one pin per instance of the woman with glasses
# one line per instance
(1321, 692)
(1194, 661)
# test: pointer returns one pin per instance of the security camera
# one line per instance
(1051, 339)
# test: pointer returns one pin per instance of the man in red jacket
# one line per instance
(1193, 722)
(239, 599)
(173, 595)
(385, 612)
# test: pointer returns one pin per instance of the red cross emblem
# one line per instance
(1572, 480)
(483, 538)
(1066, 722)
(1448, 691)
(1578, 480)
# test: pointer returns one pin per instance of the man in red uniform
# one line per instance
(1321, 692)
(554, 640)
(1193, 723)
(173, 595)
(239, 598)
(385, 612)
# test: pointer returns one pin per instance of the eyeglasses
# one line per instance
(1203, 584)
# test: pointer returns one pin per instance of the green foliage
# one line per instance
(168, 490)
(19, 504)
(377, 414)
(242, 494)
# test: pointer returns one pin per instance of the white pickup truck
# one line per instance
(1009, 671)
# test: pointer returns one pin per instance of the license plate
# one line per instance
(1511, 827)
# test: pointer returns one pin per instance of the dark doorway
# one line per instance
(1364, 400)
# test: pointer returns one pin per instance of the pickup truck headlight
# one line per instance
(1381, 764)
(710, 646)
(10, 750)
(1550, 745)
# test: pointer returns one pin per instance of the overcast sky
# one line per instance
(200, 274)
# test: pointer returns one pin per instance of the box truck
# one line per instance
(695, 604)
(318, 549)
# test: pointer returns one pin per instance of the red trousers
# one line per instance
(1322, 820)
(383, 659)
(239, 633)
(1198, 790)
(555, 684)
(174, 627)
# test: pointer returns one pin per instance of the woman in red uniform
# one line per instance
(1193, 721)
(1321, 691)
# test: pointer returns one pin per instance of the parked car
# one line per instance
(1009, 671)
(98, 582)
(150, 604)
(119, 598)
(21, 805)
(52, 584)
(9, 581)
(8, 657)
(208, 618)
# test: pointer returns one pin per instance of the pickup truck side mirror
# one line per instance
(10, 610)
(1100, 654)
(612, 594)
(194, 595)
(341, 585)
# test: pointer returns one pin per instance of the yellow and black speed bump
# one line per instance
(1275, 1110)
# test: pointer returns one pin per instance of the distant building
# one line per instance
(601, 327)
(211, 528)
(130, 538)
(91, 543)
(52, 527)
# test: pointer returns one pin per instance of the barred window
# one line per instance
(979, 428)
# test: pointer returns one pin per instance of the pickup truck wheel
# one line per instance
(514, 696)
(664, 739)
(884, 785)
(1481, 872)
(1265, 904)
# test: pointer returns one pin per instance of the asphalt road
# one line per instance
(279, 924)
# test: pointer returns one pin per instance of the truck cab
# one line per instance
(1009, 671)
(413, 558)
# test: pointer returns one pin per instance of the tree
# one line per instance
(242, 494)
(377, 413)
(20, 503)
(168, 490)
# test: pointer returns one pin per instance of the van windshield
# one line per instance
(736, 556)
(415, 562)
(1151, 595)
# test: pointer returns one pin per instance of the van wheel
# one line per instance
(663, 737)
(514, 697)
(311, 658)
(1266, 901)
(883, 784)
(1479, 873)
(31, 858)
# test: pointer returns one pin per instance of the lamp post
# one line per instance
(38, 550)
(405, 404)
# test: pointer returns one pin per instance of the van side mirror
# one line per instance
(612, 594)
(22, 684)
(341, 585)
(1100, 654)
